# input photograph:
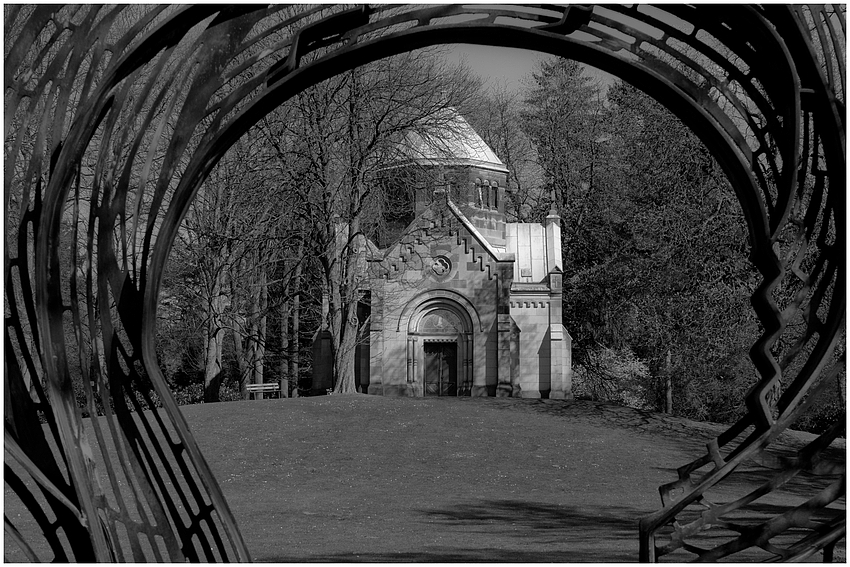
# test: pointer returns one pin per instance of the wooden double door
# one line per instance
(440, 368)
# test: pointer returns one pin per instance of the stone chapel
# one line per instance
(461, 302)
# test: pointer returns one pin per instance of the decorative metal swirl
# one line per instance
(115, 116)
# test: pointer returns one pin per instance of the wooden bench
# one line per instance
(265, 388)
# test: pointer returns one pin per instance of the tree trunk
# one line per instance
(213, 371)
(294, 344)
(238, 343)
(285, 313)
(343, 333)
(258, 337)
(239, 353)
(345, 350)
(668, 385)
(344, 310)
(345, 299)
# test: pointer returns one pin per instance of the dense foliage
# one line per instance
(657, 281)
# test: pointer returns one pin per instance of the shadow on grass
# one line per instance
(541, 520)
(532, 532)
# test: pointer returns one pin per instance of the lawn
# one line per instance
(367, 478)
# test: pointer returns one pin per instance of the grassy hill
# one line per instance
(367, 478)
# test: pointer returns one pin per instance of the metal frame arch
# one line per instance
(808, 91)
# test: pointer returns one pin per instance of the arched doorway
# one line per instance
(440, 350)
(440, 368)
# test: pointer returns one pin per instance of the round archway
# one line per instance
(116, 115)
(440, 345)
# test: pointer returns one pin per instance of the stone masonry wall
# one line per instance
(413, 280)
(531, 315)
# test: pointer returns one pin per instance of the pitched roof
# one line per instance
(456, 143)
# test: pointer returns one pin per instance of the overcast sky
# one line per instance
(508, 66)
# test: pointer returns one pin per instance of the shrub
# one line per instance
(613, 375)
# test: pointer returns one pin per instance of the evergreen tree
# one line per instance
(563, 117)
(657, 283)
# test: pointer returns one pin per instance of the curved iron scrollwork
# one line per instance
(116, 115)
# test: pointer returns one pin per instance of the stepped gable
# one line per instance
(441, 220)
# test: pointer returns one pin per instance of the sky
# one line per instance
(506, 66)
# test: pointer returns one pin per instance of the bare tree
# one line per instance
(233, 234)
(333, 140)
(499, 121)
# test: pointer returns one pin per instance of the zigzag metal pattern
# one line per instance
(116, 115)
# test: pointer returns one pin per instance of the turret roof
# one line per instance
(454, 142)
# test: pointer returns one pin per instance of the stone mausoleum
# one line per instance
(462, 302)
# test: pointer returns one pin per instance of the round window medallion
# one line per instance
(441, 265)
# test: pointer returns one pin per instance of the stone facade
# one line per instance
(464, 303)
